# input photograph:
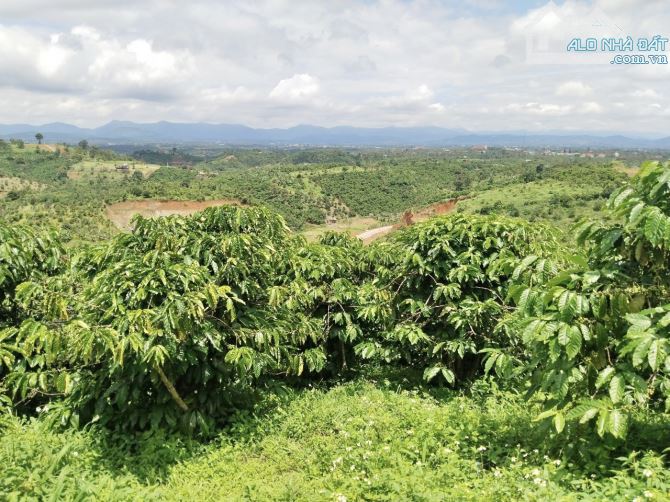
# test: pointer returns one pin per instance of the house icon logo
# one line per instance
(548, 31)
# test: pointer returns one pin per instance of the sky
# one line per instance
(481, 65)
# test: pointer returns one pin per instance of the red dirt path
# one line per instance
(409, 218)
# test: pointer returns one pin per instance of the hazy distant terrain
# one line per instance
(234, 134)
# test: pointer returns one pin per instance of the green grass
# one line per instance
(559, 202)
(358, 441)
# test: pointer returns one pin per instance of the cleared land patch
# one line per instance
(369, 229)
(354, 225)
(622, 167)
(113, 169)
(409, 218)
(122, 213)
(13, 184)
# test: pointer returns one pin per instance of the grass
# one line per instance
(366, 440)
(561, 203)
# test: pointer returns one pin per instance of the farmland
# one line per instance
(109, 169)
(314, 190)
(505, 336)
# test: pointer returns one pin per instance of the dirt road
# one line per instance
(373, 233)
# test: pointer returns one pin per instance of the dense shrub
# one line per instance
(175, 323)
(598, 332)
(449, 278)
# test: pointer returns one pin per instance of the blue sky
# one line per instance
(277, 63)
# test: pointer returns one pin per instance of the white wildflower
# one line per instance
(647, 473)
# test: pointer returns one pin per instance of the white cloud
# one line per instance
(357, 62)
(298, 87)
(645, 93)
(574, 88)
(421, 93)
(591, 107)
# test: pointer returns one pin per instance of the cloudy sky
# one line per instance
(474, 64)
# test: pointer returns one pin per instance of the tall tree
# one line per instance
(39, 137)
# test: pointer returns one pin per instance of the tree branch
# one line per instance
(170, 388)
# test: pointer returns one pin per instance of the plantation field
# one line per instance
(107, 169)
(307, 187)
(509, 339)
(14, 184)
(562, 203)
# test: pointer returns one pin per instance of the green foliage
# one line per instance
(186, 321)
(164, 325)
(329, 301)
(450, 277)
(24, 255)
(597, 332)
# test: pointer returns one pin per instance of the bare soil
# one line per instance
(409, 218)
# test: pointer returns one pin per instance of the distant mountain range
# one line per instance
(118, 132)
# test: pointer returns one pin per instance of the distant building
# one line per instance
(122, 167)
